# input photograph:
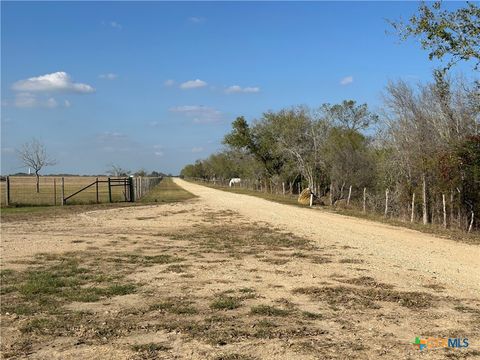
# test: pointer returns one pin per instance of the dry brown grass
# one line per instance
(220, 287)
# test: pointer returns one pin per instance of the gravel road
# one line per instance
(394, 254)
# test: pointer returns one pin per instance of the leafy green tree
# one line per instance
(349, 115)
(445, 34)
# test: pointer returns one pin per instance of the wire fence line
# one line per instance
(379, 201)
(55, 190)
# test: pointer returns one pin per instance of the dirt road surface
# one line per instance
(405, 256)
(229, 276)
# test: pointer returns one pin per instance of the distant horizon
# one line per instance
(156, 85)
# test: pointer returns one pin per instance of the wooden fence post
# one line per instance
(349, 195)
(444, 211)
(331, 194)
(283, 188)
(412, 217)
(364, 200)
(54, 192)
(109, 190)
(311, 198)
(132, 189)
(471, 222)
(63, 191)
(386, 202)
(7, 193)
(96, 189)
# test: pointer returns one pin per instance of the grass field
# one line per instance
(23, 190)
(165, 192)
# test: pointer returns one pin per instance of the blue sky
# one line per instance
(156, 85)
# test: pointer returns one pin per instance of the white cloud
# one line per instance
(169, 82)
(8, 150)
(200, 114)
(67, 103)
(25, 100)
(159, 153)
(115, 25)
(196, 19)
(108, 76)
(238, 89)
(59, 81)
(111, 137)
(51, 103)
(193, 84)
(346, 80)
(197, 149)
(28, 100)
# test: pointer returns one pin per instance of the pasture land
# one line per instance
(165, 192)
(23, 190)
(209, 278)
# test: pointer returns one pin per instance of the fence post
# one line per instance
(349, 195)
(444, 211)
(96, 189)
(412, 216)
(331, 194)
(63, 191)
(54, 192)
(109, 190)
(386, 202)
(364, 200)
(132, 189)
(7, 193)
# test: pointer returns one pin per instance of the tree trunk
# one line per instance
(424, 205)
(38, 181)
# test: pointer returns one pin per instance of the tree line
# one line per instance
(424, 150)
(419, 158)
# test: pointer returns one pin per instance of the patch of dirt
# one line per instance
(209, 279)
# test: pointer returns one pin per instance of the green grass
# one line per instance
(436, 229)
(226, 303)
(167, 192)
(267, 310)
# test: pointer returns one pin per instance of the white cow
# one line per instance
(234, 181)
